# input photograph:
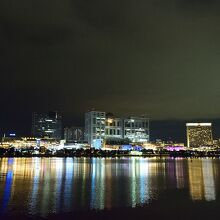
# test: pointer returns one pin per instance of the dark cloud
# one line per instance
(129, 57)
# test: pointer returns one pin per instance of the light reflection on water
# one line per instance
(39, 186)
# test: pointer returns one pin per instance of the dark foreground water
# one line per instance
(43, 186)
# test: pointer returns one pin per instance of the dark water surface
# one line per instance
(41, 186)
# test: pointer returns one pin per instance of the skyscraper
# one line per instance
(94, 126)
(47, 125)
(199, 134)
(136, 129)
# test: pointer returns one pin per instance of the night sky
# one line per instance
(129, 57)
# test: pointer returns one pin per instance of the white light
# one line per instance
(198, 124)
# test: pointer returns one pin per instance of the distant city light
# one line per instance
(12, 135)
(198, 124)
(174, 148)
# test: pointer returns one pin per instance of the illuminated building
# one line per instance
(136, 129)
(19, 142)
(28, 142)
(113, 127)
(47, 125)
(73, 134)
(100, 126)
(199, 134)
(95, 127)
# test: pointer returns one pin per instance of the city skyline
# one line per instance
(167, 130)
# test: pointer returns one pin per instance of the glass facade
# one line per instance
(47, 125)
(74, 134)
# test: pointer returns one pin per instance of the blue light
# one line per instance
(126, 147)
(12, 135)
(97, 143)
(7, 191)
(138, 148)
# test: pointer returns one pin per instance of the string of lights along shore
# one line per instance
(105, 131)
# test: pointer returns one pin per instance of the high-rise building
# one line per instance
(47, 125)
(113, 127)
(74, 134)
(199, 134)
(136, 129)
(100, 126)
(94, 127)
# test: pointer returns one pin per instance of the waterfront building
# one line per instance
(199, 135)
(113, 127)
(95, 128)
(74, 134)
(28, 142)
(47, 125)
(136, 129)
(101, 127)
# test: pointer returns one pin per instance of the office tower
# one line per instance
(199, 134)
(94, 127)
(74, 134)
(136, 129)
(100, 127)
(47, 125)
(113, 127)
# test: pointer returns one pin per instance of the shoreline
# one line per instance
(116, 156)
(100, 153)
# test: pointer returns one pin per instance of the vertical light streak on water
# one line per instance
(157, 175)
(161, 169)
(108, 184)
(75, 185)
(171, 173)
(35, 186)
(208, 177)
(84, 190)
(14, 168)
(7, 188)
(116, 167)
(102, 184)
(144, 187)
(47, 167)
(93, 184)
(68, 197)
(58, 182)
(133, 185)
(196, 183)
(98, 184)
(179, 173)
